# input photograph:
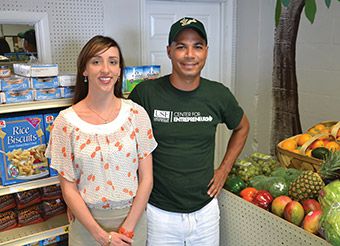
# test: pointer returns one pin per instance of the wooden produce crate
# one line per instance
(244, 224)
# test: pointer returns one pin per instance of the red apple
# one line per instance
(294, 212)
(279, 204)
(311, 222)
(311, 205)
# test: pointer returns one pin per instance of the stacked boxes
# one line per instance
(36, 82)
(136, 74)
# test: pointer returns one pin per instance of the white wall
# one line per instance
(122, 22)
(318, 66)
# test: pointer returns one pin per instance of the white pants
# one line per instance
(199, 228)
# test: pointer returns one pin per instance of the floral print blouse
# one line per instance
(102, 159)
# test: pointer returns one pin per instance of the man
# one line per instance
(185, 110)
(30, 43)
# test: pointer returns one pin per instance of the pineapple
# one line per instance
(309, 183)
(306, 186)
(330, 168)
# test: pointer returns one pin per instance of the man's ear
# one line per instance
(168, 51)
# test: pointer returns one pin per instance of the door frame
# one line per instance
(228, 47)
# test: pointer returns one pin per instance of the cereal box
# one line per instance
(152, 72)
(48, 122)
(23, 145)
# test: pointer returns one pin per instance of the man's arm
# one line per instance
(234, 148)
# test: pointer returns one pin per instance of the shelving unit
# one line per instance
(4, 190)
(52, 227)
(34, 105)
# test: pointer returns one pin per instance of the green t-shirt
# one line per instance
(184, 124)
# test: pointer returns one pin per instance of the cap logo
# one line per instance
(186, 22)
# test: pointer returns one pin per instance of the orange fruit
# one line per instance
(297, 151)
(313, 131)
(303, 138)
(289, 144)
(319, 127)
(309, 153)
(333, 146)
(317, 143)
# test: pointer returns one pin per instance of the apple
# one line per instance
(294, 212)
(278, 205)
(311, 205)
(311, 222)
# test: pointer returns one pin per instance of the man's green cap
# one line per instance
(187, 23)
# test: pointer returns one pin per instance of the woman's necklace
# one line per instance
(105, 120)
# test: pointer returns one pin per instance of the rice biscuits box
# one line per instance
(22, 153)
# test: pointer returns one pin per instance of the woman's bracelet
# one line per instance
(110, 239)
(123, 231)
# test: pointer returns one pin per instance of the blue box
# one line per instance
(48, 122)
(15, 83)
(45, 82)
(18, 96)
(47, 94)
(23, 145)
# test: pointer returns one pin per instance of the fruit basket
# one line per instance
(292, 159)
(296, 151)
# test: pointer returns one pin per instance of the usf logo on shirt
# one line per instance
(170, 116)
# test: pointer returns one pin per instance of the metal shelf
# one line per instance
(34, 105)
(4, 190)
(243, 223)
(52, 227)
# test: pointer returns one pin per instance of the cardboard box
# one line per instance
(44, 82)
(23, 145)
(17, 96)
(36, 70)
(47, 94)
(15, 83)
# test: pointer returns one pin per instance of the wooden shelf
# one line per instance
(34, 105)
(52, 227)
(4, 190)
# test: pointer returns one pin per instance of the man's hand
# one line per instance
(217, 182)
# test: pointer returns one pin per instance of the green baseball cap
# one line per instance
(187, 23)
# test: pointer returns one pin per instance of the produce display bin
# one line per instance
(243, 223)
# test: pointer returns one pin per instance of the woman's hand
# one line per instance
(115, 239)
(70, 215)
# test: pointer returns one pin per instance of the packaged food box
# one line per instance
(48, 122)
(17, 96)
(22, 153)
(67, 80)
(47, 94)
(44, 82)
(15, 83)
(67, 92)
(36, 70)
(132, 77)
(152, 72)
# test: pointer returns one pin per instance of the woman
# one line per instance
(97, 146)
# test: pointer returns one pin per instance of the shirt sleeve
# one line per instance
(59, 149)
(146, 142)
